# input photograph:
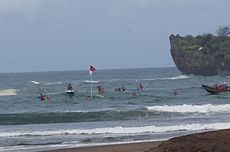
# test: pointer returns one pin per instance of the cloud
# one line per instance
(19, 6)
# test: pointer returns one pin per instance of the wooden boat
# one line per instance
(216, 89)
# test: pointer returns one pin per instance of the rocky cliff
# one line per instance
(201, 55)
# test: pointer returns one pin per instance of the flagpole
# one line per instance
(91, 70)
(91, 85)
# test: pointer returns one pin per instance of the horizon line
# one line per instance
(83, 70)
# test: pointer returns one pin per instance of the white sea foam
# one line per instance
(207, 108)
(120, 130)
(35, 82)
(179, 77)
(89, 81)
(8, 92)
(54, 83)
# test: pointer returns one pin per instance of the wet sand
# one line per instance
(133, 147)
(213, 141)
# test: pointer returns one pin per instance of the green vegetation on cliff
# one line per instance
(201, 55)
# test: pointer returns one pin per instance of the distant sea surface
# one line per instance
(170, 105)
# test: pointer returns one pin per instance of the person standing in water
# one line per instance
(140, 86)
(100, 89)
(42, 97)
(69, 87)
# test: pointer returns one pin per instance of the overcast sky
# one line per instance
(56, 35)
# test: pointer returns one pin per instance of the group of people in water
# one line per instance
(69, 90)
(100, 90)
(222, 86)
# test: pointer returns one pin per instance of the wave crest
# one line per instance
(179, 77)
(207, 108)
(120, 130)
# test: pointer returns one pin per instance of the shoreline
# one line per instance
(210, 141)
(120, 147)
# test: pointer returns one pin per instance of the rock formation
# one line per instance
(201, 55)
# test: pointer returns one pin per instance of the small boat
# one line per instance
(99, 95)
(69, 91)
(216, 89)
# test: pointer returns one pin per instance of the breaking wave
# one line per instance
(185, 108)
(119, 130)
(171, 78)
(109, 114)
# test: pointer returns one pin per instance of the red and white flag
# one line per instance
(91, 69)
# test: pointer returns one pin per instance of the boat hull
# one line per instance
(69, 91)
(215, 90)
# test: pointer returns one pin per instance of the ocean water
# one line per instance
(156, 113)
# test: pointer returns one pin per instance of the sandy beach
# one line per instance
(133, 147)
(213, 141)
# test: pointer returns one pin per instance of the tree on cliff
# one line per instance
(223, 31)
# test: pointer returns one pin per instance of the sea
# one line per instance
(170, 105)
